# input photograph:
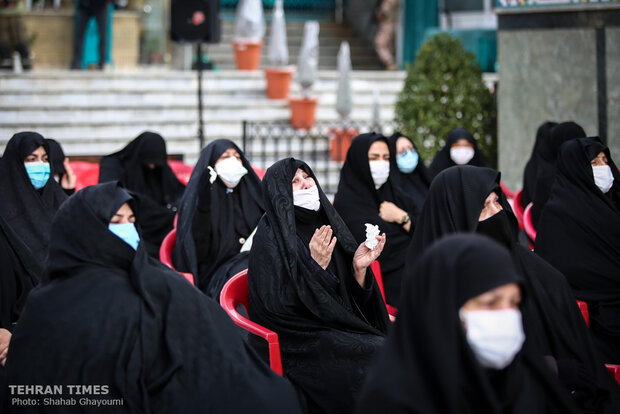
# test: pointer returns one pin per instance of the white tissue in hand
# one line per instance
(372, 231)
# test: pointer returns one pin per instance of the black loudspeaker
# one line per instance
(195, 21)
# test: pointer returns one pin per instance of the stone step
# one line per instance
(82, 102)
(177, 121)
(331, 34)
(99, 113)
(225, 80)
(326, 50)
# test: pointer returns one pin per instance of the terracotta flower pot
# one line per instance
(279, 81)
(340, 141)
(303, 112)
(247, 54)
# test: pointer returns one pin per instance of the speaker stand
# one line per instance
(201, 136)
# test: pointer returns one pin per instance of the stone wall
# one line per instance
(53, 38)
(549, 69)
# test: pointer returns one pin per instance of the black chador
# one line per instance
(142, 167)
(109, 315)
(579, 233)
(427, 365)
(28, 211)
(328, 325)
(215, 221)
(553, 323)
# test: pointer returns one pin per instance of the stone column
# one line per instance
(556, 64)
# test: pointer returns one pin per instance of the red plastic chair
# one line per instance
(181, 170)
(583, 307)
(235, 293)
(527, 223)
(506, 190)
(165, 254)
(376, 269)
(518, 207)
(615, 371)
(86, 173)
(259, 171)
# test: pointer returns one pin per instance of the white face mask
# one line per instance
(603, 177)
(461, 155)
(495, 337)
(230, 170)
(380, 171)
(307, 198)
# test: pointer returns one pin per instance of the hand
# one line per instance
(391, 213)
(322, 245)
(69, 179)
(5, 338)
(363, 258)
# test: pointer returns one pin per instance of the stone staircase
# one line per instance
(93, 113)
(331, 34)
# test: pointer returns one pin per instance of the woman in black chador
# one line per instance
(29, 196)
(461, 149)
(18, 275)
(370, 192)
(107, 314)
(219, 210)
(142, 167)
(579, 233)
(458, 345)
(405, 160)
(543, 135)
(469, 199)
(545, 172)
(316, 292)
(63, 173)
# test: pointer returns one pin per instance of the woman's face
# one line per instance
(301, 180)
(500, 298)
(403, 144)
(124, 215)
(230, 152)
(491, 207)
(37, 155)
(599, 160)
(462, 142)
(378, 151)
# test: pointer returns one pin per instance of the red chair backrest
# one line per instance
(259, 171)
(583, 307)
(615, 371)
(86, 173)
(518, 207)
(235, 293)
(165, 254)
(181, 170)
(376, 270)
(527, 223)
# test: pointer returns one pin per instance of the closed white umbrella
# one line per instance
(344, 99)
(249, 21)
(308, 62)
(278, 49)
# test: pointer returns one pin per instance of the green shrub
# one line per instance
(444, 90)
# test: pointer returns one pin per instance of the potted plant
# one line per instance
(303, 110)
(444, 89)
(249, 32)
(279, 75)
(340, 137)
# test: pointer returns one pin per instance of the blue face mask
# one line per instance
(127, 232)
(38, 172)
(407, 161)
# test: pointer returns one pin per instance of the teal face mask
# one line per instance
(127, 232)
(38, 172)
(407, 161)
